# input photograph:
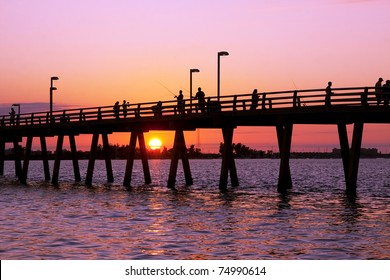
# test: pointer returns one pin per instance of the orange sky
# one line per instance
(105, 51)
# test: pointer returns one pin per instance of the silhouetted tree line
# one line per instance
(239, 150)
(116, 152)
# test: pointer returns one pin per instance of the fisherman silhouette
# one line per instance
(201, 100)
(329, 93)
(180, 102)
(255, 100)
(124, 106)
(116, 110)
(386, 93)
(378, 91)
(12, 116)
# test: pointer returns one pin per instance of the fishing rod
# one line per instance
(174, 95)
(185, 89)
(304, 104)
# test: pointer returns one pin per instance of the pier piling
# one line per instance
(228, 163)
(2, 155)
(284, 139)
(26, 161)
(179, 151)
(131, 156)
(107, 158)
(354, 156)
(18, 163)
(45, 159)
(344, 146)
(92, 158)
(57, 159)
(73, 150)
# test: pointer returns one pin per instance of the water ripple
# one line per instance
(315, 220)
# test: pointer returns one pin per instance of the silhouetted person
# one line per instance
(378, 90)
(201, 100)
(180, 102)
(124, 107)
(157, 109)
(116, 110)
(255, 100)
(386, 93)
(329, 93)
(64, 118)
(12, 116)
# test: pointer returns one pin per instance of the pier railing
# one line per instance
(295, 99)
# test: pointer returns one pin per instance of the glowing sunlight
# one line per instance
(155, 144)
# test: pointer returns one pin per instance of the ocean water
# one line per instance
(315, 220)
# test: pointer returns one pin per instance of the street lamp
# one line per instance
(192, 71)
(51, 96)
(223, 53)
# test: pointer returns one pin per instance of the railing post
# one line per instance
(99, 114)
(138, 111)
(263, 101)
(295, 99)
(270, 103)
(364, 97)
(235, 103)
(81, 115)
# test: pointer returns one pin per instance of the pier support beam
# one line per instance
(351, 156)
(344, 146)
(284, 134)
(228, 163)
(2, 156)
(92, 158)
(179, 151)
(57, 159)
(354, 157)
(26, 161)
(18, 163)
(131, 156)
(144, 158)
(107, 158)
(45, 159)
(73, 151)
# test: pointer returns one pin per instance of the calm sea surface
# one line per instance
(316, 220)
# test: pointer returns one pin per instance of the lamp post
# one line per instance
(192, 71)
(51, 96)
(223, 53)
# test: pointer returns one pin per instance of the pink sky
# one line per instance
(105, 51)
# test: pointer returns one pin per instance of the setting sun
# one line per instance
(155, 144)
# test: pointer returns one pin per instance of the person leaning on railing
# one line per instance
(378, 91)
(255, 100)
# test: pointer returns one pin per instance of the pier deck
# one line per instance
(282, 110)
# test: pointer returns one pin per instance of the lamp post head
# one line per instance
(15, 104)
(223, 53)
(194, 70)
(54, 78)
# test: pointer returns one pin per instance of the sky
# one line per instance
(109, 50)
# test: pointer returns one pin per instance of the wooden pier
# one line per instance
(282, 110)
